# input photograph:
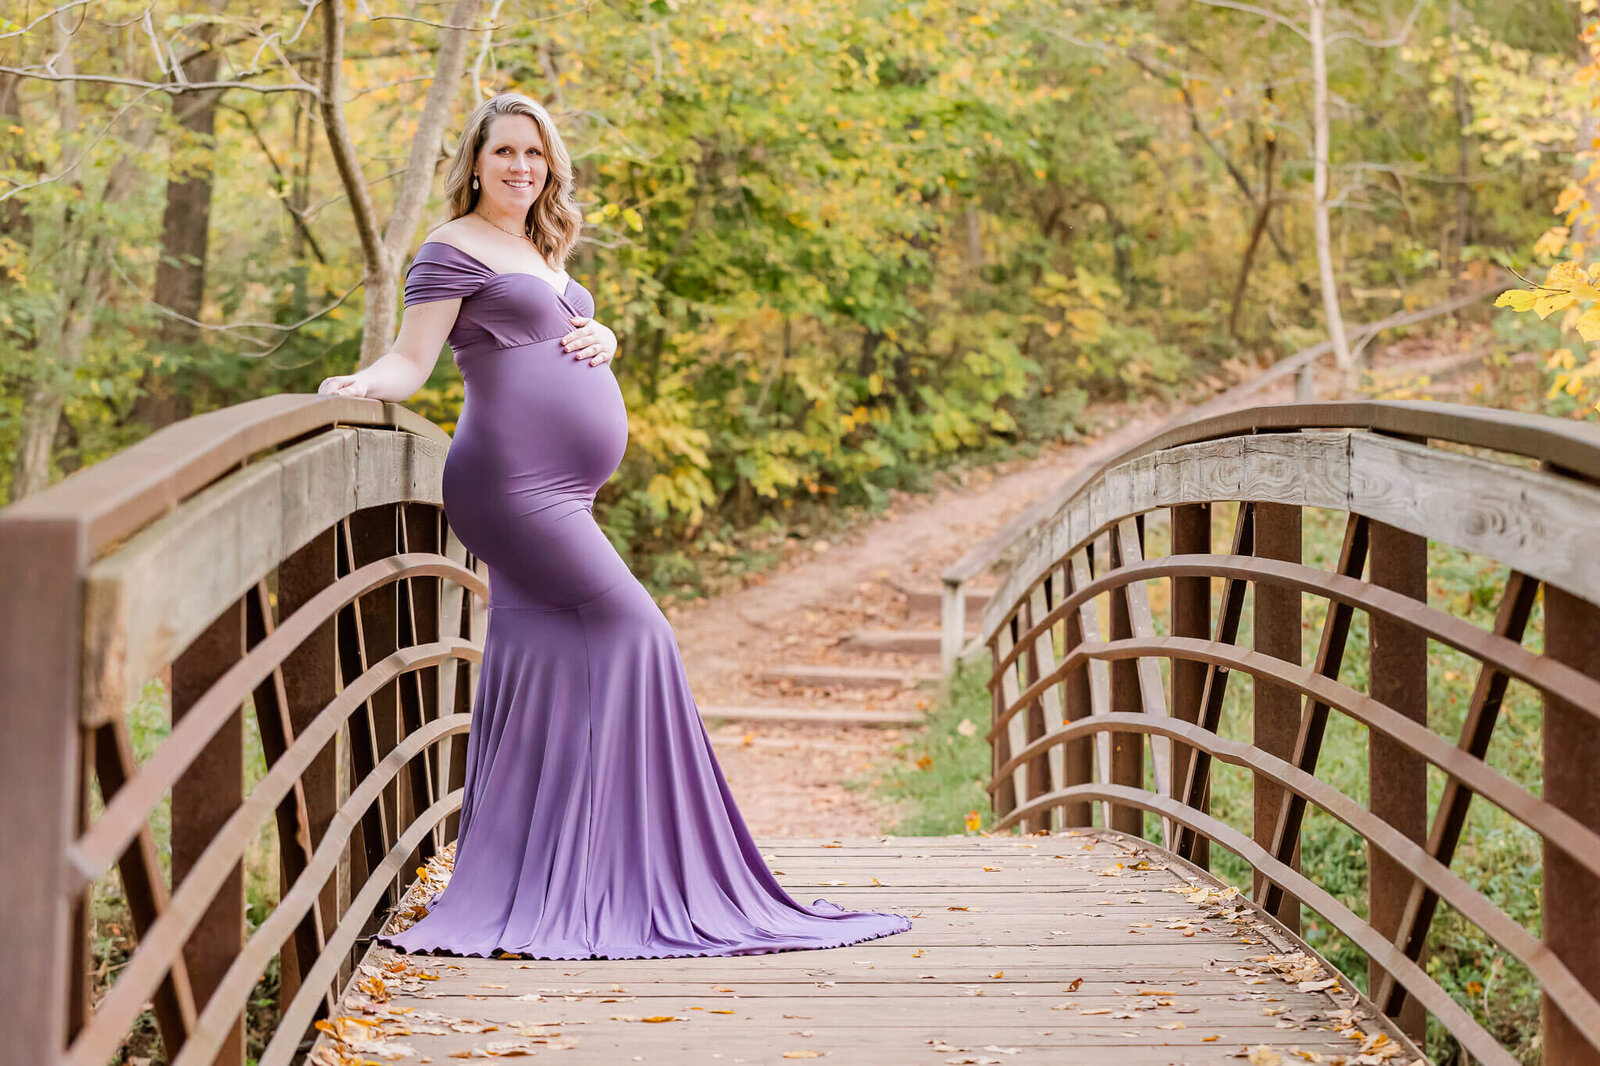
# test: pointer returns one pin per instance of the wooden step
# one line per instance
(918, 641)
(929, 599)
(827, 675)
(839, 715)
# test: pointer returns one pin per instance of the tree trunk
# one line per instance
(382, 247)
(1319, 140)
(185, 229)
(1464, 153)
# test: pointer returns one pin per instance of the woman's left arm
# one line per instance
(590, 340)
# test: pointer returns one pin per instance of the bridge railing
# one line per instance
(1102, 701)
(1302, 366)
(288, 555)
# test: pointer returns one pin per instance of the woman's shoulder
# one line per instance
(443, 269)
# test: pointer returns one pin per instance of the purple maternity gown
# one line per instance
(596, 821)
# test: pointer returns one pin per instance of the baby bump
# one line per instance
(539, 433)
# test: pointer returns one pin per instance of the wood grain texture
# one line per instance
(1052, 958)
(151, 596)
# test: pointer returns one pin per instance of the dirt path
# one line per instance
(794, 779)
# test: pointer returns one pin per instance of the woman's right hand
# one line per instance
(342, 385)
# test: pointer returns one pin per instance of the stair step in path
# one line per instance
(830, 715)
(921, 599)
(917, 641)
(827, 675)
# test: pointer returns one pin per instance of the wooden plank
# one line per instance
(1055, 957)
(1530, 520)
(152, 596)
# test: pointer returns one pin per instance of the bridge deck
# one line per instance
(1081, 947)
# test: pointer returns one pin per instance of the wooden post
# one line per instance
(202, 801)
(1277, 707)
(1397, 776)
(41, 620)
(1571, 753)
(952, 622)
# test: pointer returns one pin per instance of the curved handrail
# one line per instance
(1511, 487)
(126, 491)
(177, 556)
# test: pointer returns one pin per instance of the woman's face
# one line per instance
(511, 164)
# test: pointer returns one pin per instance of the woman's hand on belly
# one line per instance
(590, 340)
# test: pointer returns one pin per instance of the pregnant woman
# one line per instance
(596, 821)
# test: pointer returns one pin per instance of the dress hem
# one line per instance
(442, 952)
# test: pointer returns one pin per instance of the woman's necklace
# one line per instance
(497, 226)
(501, 228)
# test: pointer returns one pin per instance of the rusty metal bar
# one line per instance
(1197, 779)
(1005, 796)
(1127, 749)
(1556, 826)
(363, 727)
(1397, 777)
(1191, 617)
(1314, 719)
(1571, 893)
(1539, 671)
(1078, 703)
(241, 975)
(1511, 620)
(1276, 720)
(293, 815)
(374, 536)
(1037, 771)
(143, 973)
(310, 684)
(419, 697)
(144, 883)
(203, 799)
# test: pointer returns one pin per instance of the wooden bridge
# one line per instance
(290, 556)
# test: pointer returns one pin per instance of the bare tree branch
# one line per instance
(284, 328)
(1266, 13)
(76, 162)
(1387, 42)
(174, 88)
(47, 15)
(345, 160)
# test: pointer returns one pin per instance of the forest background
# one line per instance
(841, 241)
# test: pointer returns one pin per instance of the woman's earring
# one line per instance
(474, 183)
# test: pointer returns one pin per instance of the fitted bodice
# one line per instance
(498, 310)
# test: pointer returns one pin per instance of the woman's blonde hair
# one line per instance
(554, 221)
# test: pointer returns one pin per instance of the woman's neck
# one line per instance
(514, 222)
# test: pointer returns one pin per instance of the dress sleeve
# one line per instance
(435, 275)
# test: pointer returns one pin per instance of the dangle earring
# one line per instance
(474, 183)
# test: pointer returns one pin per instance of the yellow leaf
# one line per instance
(1518, 299)
(1589, 324)
(1548, 304)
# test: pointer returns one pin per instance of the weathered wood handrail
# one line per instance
(291, 551)
(1301, 365)
(1078, 685)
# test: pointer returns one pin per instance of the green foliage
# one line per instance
(841, 242)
